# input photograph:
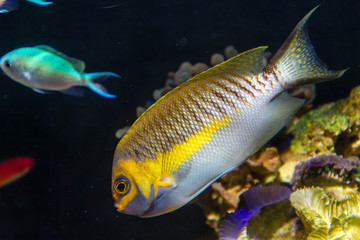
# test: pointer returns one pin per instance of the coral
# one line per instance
(337, 176)
(216, 58)
(139, 111)
(120, 132)
(332, 128)
(262, 212)
(306, 92)
(349, 141)
(317, 131)
(266, 161)
(223, 195)
(327, 218)
(230, 52)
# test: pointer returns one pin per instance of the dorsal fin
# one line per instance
(248, 63)
(77, 64)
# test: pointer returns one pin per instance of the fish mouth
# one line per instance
(119, 208)
(128, 210)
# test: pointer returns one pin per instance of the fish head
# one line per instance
(132, 187)
(139, 188)
(14, 65)
(10, 66)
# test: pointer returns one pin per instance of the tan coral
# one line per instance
(223, 195)
(230, 52)
(266, 161)
(216, 59)
(183, 74)
(120, 132)
(198, 68)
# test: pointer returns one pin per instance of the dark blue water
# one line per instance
(67, 194)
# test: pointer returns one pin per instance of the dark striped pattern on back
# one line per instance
(220, 91)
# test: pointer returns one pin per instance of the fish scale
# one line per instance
(204, 99)
(191, 113)
(211, 124)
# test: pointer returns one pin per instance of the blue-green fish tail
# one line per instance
(40, 2)
(298, 61)
(92, 81)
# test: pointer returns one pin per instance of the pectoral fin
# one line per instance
(165, 184)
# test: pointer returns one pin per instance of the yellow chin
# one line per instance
(119, 207)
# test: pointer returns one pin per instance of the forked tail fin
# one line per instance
(92, 81)
(297, 59)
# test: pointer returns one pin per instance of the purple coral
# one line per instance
(250, 205)
(324, 163)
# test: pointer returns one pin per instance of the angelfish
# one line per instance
(43, 69)
(211, 124)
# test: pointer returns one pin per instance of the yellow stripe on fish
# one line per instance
(163, 166)
(209, 125)
(182, 152)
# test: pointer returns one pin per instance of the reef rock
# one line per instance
(332, 128)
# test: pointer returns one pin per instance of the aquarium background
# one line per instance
(67, 194)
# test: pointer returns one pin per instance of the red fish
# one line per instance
(14, 168)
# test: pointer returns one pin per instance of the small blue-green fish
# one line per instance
(42, 68)
(40, 2)
(8, 5)
(11, 5)
(211, 124)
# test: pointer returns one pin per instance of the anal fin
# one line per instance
(77, 91)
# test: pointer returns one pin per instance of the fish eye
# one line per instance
(122, 186)
(8, 64)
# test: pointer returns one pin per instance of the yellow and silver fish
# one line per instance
(210, 125)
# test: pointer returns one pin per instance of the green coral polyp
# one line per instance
(325, 217)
